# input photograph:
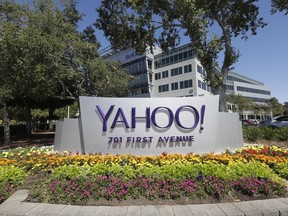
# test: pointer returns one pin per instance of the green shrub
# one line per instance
(268, 133)
(282, 170)
(13, 175)
(281, 134)
(252, 133)
(179, 171)
(69, 171)
(239, 170)
(99, 169)
(232, 171)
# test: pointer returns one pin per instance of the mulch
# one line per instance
(44, 138)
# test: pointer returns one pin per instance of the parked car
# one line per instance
(277, 122)
(247, 122)
(255, 122)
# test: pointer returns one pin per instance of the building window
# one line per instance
(204, 72)
(164, 74)
(229, 87)
(167, 61)
(252, 90)
(157, 76)
(199, 69)
(185, 55)
(149, 64)
(177, 55)
(163, 88)
(232, 78)
(199, 84)
(175, 58)
(174, 86)
(261, 100)
(176, 71)
(186, 84)
(187, 68)
(204, 85)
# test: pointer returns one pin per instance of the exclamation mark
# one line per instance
(202, 117)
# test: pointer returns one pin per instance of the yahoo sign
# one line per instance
(149, 118)
(149, 126)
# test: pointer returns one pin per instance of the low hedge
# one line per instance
(267, 133)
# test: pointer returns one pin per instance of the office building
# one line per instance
(178, 73)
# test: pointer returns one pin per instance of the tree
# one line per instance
(140, 23)
(285, 108)
(12, 17)
(45, 61)
(39, 66)
(275, 107)
(279, 5)
(241, 103)
(106, 79)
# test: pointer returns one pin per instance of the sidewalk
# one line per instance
(15, 206)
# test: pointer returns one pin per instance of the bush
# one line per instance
(252, 133)
(282, 170)
(281, 134)
(268, 133)
(252, 169)
(232, 171)
(69, 172)
(12, 175)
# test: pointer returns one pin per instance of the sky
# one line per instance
(263, 57)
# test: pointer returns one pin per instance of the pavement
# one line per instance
(16, 206)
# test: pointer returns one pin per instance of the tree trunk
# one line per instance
(51, 126)
(28, 121)
(222, 99)
(7, 139)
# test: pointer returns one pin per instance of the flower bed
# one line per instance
(76, 178)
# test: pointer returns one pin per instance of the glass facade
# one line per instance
(260, 100)
(229, 87)
(174, 56)
(252, 90)
(136, 67)
(139, 81)
(233, 78)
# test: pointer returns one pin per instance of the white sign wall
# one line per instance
(150, 126)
